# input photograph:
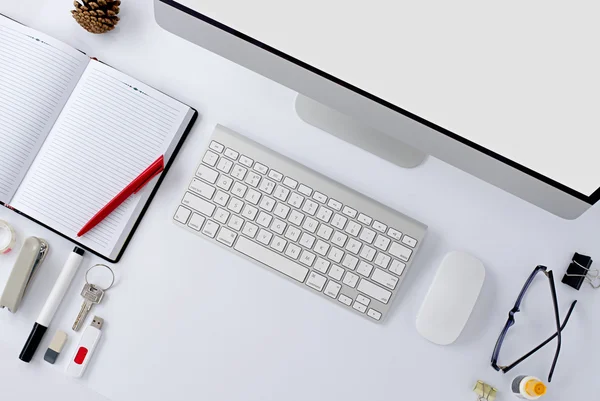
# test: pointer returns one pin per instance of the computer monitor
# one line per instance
(506, 95)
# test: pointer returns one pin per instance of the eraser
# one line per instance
(56, 346)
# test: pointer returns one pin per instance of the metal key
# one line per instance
(92, 295)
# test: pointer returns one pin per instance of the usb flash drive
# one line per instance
(85, 348)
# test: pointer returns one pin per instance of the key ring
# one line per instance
(109, 269)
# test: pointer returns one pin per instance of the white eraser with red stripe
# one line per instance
(85, 348)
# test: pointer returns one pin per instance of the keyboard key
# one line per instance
(321, 247)
(384, 278)
(395, 234)
(325, 232)
(221, 215)
(332, 289)
(210, 158)
(363, 218)
(359, 307)
(264, 219)
(307, 240)
(261, 168)
(310, 225)
(363, 300)
(310, 207)
(315, 281)
(288, 182)
(334, 204)
(232, 154)
(207, 174)
(307, 258)
(353, 228)
(350, 262)
(253, 196)
(400, 251)
(252, 179)
(239, 189)
(382, 242)
(271, 259)
(319, 197)
(239, 172)
(281, 210)
(235, 222)
(353, 246)
(281, 193)
(276, 175)
(196, 221)
(267, 186)
(235, 205)
(374, 291)
(348, 211)
(336, 272)
(264, 237)
(410, 241)
(216, 146)
(322, 265)
(368, 253)
(224, 182)
(305, 190)
(382, 260)
(278, 226)
(250, 229)
(224, 165)
(364, 269)
(182, 214)
(379, 226)
(296, 200)
(397, 267)
(226, 236)
(210, 229)
(292, 233)
(249, 212)
(296, 218)
(221, 198)
(374, 314)
(278, 244)
(367, 235)
(346, 300)
(293, 251)
(339, 221)
(339, 239)
(335, 254)
(246, 161)
(324, 214)
(267, 203)
(198, 204)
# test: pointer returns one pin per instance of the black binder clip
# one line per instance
(579, 271)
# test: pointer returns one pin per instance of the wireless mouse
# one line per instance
(451, 298)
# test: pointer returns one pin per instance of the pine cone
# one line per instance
(97, 16)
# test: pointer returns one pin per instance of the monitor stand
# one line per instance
(352, 131)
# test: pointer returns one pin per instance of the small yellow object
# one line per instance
(535, 388)
(484, 391)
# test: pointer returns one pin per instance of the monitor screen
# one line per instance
(521, 81)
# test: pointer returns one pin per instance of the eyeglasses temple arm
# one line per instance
(536, 349)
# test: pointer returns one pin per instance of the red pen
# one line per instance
(136, 185)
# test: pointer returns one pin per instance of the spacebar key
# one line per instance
(271, 259)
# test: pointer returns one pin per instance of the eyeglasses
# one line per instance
(511, 321)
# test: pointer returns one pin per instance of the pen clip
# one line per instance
(154, 169)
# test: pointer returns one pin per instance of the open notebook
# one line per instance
(73, 133)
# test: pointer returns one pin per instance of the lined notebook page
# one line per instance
(111, 129)
(37, 75)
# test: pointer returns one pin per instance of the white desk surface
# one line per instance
(216, 327)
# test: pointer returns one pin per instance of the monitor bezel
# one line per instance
(591, 199)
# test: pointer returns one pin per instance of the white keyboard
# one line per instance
(319, 234)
